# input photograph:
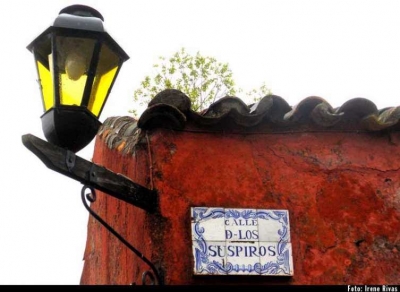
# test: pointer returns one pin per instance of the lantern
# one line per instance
(77, 63)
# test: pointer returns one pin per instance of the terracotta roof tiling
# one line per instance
(171, 109)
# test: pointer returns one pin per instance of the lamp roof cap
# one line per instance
(82, 10)
(80, 17)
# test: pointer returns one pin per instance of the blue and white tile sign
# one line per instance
(241, 242)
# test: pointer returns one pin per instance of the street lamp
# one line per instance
(77, 63)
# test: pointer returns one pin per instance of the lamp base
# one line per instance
(70, 127)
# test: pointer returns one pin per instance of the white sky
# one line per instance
(335, 49)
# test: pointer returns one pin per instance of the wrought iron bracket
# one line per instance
(93, 176)
(154, 274)
(67, 163)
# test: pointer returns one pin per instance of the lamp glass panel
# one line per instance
(106, 72)
(73, 61)
(46, 84)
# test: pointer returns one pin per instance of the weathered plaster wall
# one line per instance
(342, 191)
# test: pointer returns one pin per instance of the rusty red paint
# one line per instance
(342, 191)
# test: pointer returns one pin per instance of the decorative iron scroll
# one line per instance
(154, 274)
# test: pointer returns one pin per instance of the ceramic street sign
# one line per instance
(241, 242)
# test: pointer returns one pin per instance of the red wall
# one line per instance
(342, 191)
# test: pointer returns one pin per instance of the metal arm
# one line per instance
(67, 163)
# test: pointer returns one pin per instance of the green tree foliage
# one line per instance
(257, 93)
(202, 79)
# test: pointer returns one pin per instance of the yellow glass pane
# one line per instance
(105, 74)
(100, 94)
(46, 86)
(71, 91)
(73, 61)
